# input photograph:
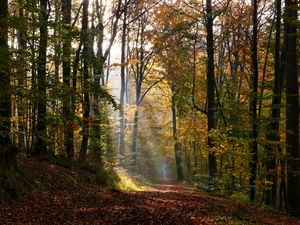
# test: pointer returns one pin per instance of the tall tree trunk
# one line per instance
(210, 74)
(292, 106)
(122, 91)
(139, 76)
(33, 99)
(136, 121)
(177, 151)
(273, 136)
(97, 145)
(7, 156)
(67, 114)
(54, 132)
(21, 79)
(86, 91)
(134, 138)
(41, 130)
(253, 104)
(57, 45)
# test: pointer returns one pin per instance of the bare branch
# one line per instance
(149, 88)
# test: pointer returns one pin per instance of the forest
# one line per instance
(149, 112)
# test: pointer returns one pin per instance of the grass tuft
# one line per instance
(129, 182)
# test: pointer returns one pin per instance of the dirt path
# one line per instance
(163, 204)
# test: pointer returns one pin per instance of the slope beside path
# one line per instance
(167, 203)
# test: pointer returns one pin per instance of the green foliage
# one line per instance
(240, 196)
(130, 182)
(107, 178)
(105, 95)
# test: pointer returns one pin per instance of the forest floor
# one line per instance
(64, 197)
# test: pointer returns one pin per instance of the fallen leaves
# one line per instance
(67, 203)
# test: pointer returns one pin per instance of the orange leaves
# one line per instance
(62, 201)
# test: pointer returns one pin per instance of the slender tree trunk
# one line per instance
(97, 145)
(74, 79)
(195, 157)
(41, 130)
(7, 155)
(122, 92)
(54, 132)
(211, 114)
(188, 162)
(86, 91)
(273, 136)
(67, 114)
(33, 99)
(177, 151)
(253, 104)
(136, 121)
(292, 107)
(21, 79)
(134, 138)
(139, 74)
(57, 44)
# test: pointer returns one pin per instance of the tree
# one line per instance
(140, 73)
(86, 80)
(210, 76)
(177, 152)
(123, 84)
(7, 155)
(41, 130)
(292, 106)
(87, 40)
(141, 51)
(253, 103)
(66, 58)
(98, 74)
(273, 135)
(100, 92)
(21, 75)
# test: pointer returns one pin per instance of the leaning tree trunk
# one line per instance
(292, 107)
(41, 130)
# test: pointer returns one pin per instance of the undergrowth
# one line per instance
(129, 182)
(104, 177)
(116, 179)
(16, 182)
